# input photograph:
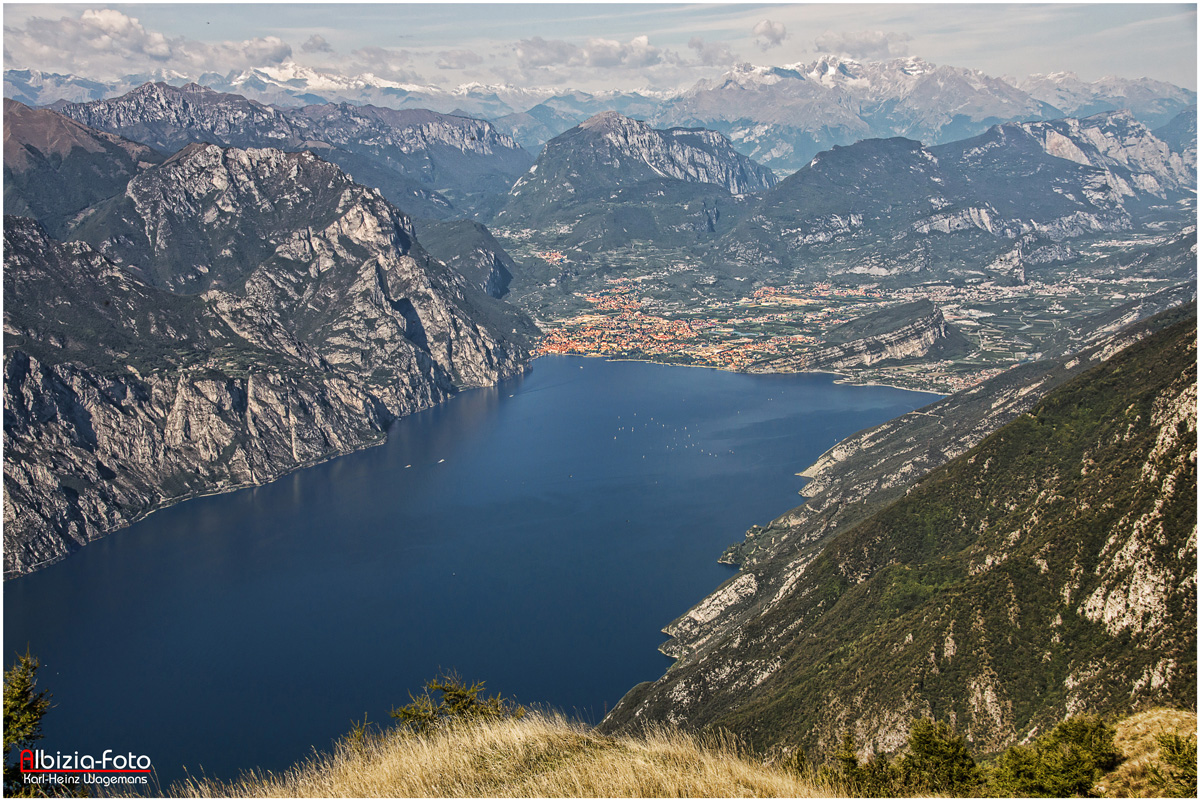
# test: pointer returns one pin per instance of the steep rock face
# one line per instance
(614, 180)
(692, 155)
(1180, 136)
(313, 319)
(918, 338)
(1031, 561)
(54, 167)
(424, 161)
(610, 150)
(469, 249)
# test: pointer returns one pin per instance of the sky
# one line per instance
(595, 46)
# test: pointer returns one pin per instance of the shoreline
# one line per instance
(839, 378)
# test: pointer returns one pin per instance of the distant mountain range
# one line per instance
(881, 209)
(434, 165)
(781, 116)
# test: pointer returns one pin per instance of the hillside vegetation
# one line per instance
(1048, 571)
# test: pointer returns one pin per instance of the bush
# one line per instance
(1066, 762)
(455, 702)
(938, 760)
(1176, 776)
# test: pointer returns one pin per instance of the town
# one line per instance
(773, 328)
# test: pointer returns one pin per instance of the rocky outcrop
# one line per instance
(901, 589)
(917, 337)
(313, 318)
(425, 162)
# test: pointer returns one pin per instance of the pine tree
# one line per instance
(24, 706)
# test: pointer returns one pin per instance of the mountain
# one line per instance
(424, 161)
(1180, 135)
(244, 313)
(979, 206)
(783, 116)
(470, 250)
(780, 116)
(613, 179)
(1046, 567)
(35, 88)
(1152, 102)
(54, 167)
(534, 128)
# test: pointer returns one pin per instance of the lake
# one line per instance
(536, 536)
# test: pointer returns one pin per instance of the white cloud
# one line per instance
(385, 63)
(864, 44)
(768, 34)
(712, 54)
(457, 59)
(316, 44)
(538, 52)
(106, 43)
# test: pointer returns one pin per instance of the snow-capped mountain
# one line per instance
(1153, 102)
(782, 116)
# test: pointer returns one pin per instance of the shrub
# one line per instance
(938, 760)
(455, 702)
(1176, 776)
(875, 779)
(1065, 762)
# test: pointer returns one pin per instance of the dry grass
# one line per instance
(539, 756)
(1135, 739)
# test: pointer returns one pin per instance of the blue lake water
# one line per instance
(545, 532)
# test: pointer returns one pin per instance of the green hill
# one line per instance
(1047, 571)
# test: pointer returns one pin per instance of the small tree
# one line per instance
(456, 702)
(1066, 762)
(24, 706)
(876, 778)
(938, 760)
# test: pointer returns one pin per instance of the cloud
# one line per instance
(864, 44)
(768, 34)
(538, 52)
(712, 54)
(316, 44)
(106, 43)
(457, 59)
(385, 63)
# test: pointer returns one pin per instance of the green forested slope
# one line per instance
(1048, 571)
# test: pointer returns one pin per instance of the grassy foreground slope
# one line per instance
(537, 756)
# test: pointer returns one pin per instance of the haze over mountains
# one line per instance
(780, 116)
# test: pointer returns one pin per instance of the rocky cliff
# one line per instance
(908, 331)
(429, 164)
(244, 312)
(1047, 567)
